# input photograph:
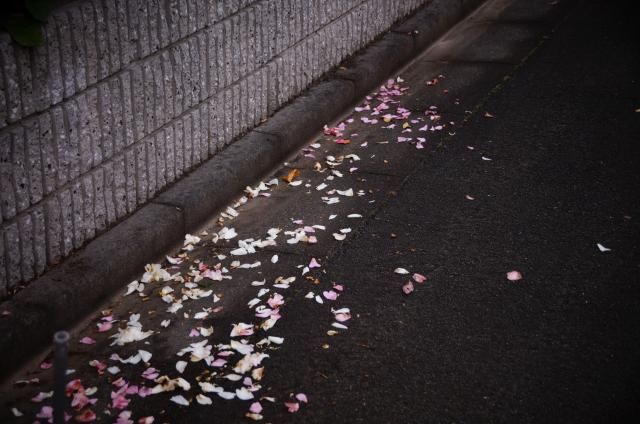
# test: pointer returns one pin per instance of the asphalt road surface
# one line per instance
(534, 169)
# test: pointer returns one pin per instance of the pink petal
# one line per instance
(144, 392)
(40, 397)
(255, 407)
(419, 278)
(276, 300)
(146, 420)
(45, 365)
(514, 276)
(123, 418)
(79, 401)
(87, 340)
(302, 397)
(118, 401)
(218, 363)
(342, 317)
(314, 263)
(292, 406)
(407, 288)
(338, 287)
(46, 412)
(104, 326)
(331, 295)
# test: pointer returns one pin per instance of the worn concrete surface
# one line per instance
(468, 345)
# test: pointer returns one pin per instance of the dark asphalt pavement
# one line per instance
(563, 343)
(537, 164)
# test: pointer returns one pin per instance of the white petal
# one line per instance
(144, 355)
(180, 366)
(233, 377)
(210, 388)
(400, 271)
(244, 394)
(180, 400)
(203, 400)
(226, 395)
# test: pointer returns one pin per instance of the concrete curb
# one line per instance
(69, 292)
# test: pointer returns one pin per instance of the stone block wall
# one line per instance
(125, 96)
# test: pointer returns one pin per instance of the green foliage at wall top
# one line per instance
(23, 20)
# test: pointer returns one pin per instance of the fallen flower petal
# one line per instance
(408, 287)
(241, 329)
(514, 276)
(330, 295)
(42, 396)
(254, 416)
(104, 326)
(244, 394)
(46, 413)
(314, 263)
(419, 278)
(87, 340)
(203, 400)
(180, 366)
(180, 400)
(400, 271)
(292, 406)
(602, 248)
(302, 397)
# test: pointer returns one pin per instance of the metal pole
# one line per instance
(61, 347)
